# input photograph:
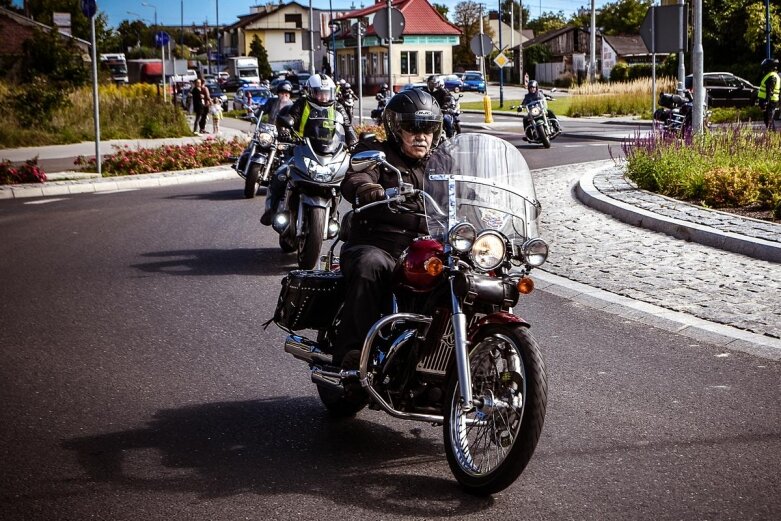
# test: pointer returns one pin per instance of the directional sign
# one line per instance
(381, 23)
(481, 45)
(670, 29)
(89, 8)
(162, 38)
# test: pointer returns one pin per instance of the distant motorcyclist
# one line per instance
(347, 98)
(535, 94)
(436, 87)
(320, 101)
(274, 105)
(769, 91)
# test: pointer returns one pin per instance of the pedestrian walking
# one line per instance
(198, 106)
(215, 109)
(769, 91)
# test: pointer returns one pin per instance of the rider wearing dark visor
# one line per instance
(377, 237)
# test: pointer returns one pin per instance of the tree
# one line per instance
(622, 16)
(467, 18)
(257, 50)
(516, 9)
(441, 9)
(48, 54)
(546, 22)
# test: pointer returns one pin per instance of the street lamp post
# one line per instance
(145, 4)
(138, 35)
(333, 26)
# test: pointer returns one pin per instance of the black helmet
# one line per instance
(534, 85)
(432, 82)
(285, 86)
(769, 64)
(412, 110)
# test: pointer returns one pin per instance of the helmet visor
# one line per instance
(421, 122)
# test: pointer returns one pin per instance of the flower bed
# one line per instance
(29, 172)
(127, 161)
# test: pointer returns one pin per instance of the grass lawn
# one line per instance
(558, 105)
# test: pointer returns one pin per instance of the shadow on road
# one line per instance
(236, 261)
(221, 195)
(276, 446)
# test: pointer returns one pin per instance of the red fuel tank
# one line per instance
(414, 262)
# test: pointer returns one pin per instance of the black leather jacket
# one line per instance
(442, 96)
(379, 226)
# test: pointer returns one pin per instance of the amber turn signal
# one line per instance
(525, 285)
(434, 266)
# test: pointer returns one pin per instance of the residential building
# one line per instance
(623, 49)
(569, 47)
(424, 47)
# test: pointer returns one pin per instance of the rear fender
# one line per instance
(501, 317)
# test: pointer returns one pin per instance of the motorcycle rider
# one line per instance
(436, 87)
(274, 105)
(533, 95)
(769, 90)
(413, 125)
(347, 98)
(320, 100)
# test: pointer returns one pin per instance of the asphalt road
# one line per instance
(138, 383)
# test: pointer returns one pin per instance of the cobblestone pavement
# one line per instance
(595, 249)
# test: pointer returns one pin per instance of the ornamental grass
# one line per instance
(616, 99)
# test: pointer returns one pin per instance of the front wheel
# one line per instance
(251, 183)
(309, 245)
(544, 137)
(488, 446)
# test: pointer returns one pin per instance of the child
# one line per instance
(216, 112)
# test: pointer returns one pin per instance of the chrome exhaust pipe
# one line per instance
(306, 350)
(327, 380)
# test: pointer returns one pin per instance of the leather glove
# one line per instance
(369, 193)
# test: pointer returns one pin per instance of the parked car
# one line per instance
(724, 89)
(414, 85)
(222, 77)
(452, 83)
(233, 84)
(474, 81)
(259, 96)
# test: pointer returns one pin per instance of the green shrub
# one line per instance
(620, 72)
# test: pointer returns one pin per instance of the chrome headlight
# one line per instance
(535, 252)
(462, 237)
(318, 172)
(535, 111)
(265, 139)
(489, 251)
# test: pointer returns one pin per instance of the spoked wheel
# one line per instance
(252, 181)
(309, 245)
(488, 446)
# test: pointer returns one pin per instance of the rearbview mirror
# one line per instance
(365, 160)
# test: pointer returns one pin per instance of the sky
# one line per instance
(200, 11)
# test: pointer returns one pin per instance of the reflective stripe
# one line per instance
(305, 117)
(774, 96)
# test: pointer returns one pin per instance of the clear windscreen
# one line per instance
(324, 134)
(485, 181)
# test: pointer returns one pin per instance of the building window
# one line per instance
(293, 19)
(290, 37)
(433, 62)
(409, 62)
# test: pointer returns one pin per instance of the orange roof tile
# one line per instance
(419, 17)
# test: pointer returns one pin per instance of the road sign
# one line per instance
(670, 28)
(501, 60)
(89, 8)
(481, 45)
(162, 38)
(396, 25)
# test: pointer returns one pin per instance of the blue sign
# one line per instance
(89, 8)
(162, 38)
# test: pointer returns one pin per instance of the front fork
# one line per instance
(461, 349)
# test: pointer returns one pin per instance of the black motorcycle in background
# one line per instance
(263, 154)
(376, 114)
(452, 112)
(674, 117)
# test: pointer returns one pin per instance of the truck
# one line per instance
(116, 65)
(244, 67)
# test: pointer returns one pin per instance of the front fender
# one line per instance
(318, 201)
(500, 317)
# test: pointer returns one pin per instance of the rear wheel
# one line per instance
(488, 446)
(252, 181)
(342, 404)
(310, 244)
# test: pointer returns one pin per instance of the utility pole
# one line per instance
(501, 69)
(697, 61)
(520, 44)
(390, 49)
(767, 29)
(592, 63)
(681, 64)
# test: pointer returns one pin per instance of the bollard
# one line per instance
(487, 109)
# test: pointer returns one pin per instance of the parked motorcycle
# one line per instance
(452, 111)
(452, 352)
(674, 117)
(262, 155)
(308, 213)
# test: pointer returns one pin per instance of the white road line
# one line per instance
(116, 191)
(45, 201)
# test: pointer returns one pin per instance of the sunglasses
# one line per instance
(420, 126)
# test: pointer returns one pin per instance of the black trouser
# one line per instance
(770, 110)
(368, 272)
(200, 118)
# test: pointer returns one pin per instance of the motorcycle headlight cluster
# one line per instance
(318, 172)
(462, 237)
(489, 250)
(534, 252)
(535, 111)
(265, 139)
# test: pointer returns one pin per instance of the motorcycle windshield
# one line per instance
(482, 180)
(324, 134)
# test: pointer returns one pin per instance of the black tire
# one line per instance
(516, 427)
(544, 139)
(252, 181)
(309, 246)
(342, 404)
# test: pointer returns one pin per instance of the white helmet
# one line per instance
(321, 90)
